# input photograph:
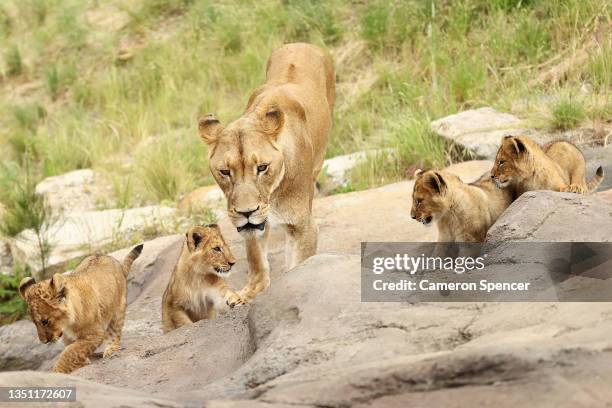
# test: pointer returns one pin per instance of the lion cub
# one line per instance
(86, 308)
(197, 286)
(557, 166)
(463, 212)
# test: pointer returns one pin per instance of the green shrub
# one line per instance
(567, 113)
(12, 306)
(14, 64)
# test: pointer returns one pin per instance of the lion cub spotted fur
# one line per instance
(86, 308)
(557, 166)
(463, 212)
(197, 286)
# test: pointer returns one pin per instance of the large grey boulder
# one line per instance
(20, 348)
(81, 233)
(479, 130)
(554, 217)
(79, 190)
(88, 394)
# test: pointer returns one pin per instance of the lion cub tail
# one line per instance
(596, 180)
(130, 258)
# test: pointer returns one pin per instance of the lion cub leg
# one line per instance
(176, 318)
(113, 332)
(76, 355)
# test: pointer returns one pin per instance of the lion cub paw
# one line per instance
(235, 299)
(109, 352)
(573, 188)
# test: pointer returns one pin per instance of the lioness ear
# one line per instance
(209, 128)
(436, 182)
(57, 284)
(24, 285)
(272, 120)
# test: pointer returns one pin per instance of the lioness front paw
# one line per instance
(109, 352)
(234, 299)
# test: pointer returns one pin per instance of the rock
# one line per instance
(158, 255)
(6, 258)
(82, 233)
(606, 195)
(203, 197)
(554, 217)
(20, 348)
(89, 394)
(77, 190)
(309, 340)
(596, 157)
(479, 130)
(337, 168)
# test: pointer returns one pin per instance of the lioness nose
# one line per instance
(247, 213)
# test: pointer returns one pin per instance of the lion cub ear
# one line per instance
(516, 143)
(58, 285)
(209, 128)
(436, 182)
(24, 285)
(418, 173)
(194, 238)
(272, 120)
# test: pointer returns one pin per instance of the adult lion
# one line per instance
(266, 161)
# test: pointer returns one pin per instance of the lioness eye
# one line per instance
(225, 172)
(45, 322)
(217, 249)
(262, 167)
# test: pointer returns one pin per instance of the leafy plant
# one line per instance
(567, 113)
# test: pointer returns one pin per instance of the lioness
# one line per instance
(86, 308)
(266, 162)
(558, 166)
(197, 286)
(463, 212)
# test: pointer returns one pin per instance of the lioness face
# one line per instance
(428, 197)
(47, 307)
(247, 164)
(209, 251)
(509, 162)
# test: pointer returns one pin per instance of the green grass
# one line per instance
(567, 113)
(118, 85)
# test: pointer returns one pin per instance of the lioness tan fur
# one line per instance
(462, 212)
(266, 162)
(197, 287)
(85, 308)
(557, 166)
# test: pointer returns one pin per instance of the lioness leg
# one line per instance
(76, 355)
(259, 269)
(301, 243)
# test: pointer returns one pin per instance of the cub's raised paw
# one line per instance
(109, 352)
(235, 299)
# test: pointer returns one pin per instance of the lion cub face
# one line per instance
(209, 252)
(509, 163)
(47, 306)
(246, 163)
(428, 196)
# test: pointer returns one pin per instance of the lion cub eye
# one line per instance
(261, 168)
(502, 162)
(225, 172)
(45, 322)
(217, 249)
